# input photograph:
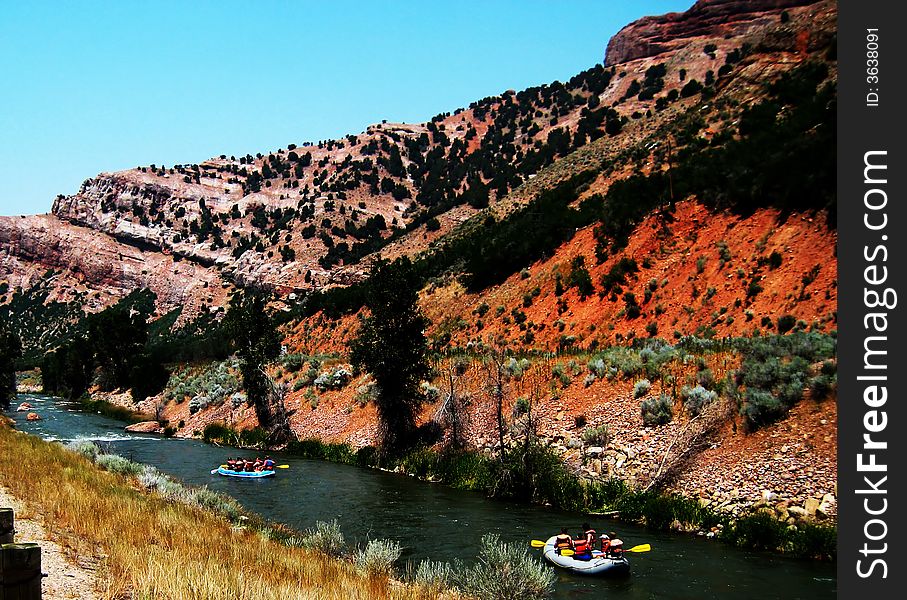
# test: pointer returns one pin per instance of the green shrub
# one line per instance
(117, 464)
(436, 576)
(325, 537)
(657, 411)
(378, 557)
(641, 388)
(785, 323)
(520, 407)
(821, 386)
(696, 398)
(597, 436)
(506, 571)
(85, 447)
(761, 408)
(293, 362)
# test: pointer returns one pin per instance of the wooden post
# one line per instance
(20, 572)
(7, 529)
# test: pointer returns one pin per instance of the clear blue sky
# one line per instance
(105, 86)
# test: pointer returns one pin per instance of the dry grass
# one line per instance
(151, 548)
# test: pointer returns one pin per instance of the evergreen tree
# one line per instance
(10, 352)
(391, 345)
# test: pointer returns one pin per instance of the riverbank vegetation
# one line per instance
(535, 473)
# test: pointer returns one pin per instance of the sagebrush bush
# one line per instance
(821, 386)
(597, 436)
(505, 571)
(430, 392)
(119, 465)
(436, 576)
(325, 537)
(641, 388)
(334, 379)
(378, 556)
(696, 398)
(761, 408)
(85, 447)
(596, 366)
(657, 411)
(293, 362)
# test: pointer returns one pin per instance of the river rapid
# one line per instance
(435, 522)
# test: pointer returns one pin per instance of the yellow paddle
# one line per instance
(640, 548)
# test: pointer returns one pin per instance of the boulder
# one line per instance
(594, 451)
(144, 427)
(24, 407)
(32, 417)
(797, 512)
(811, 506)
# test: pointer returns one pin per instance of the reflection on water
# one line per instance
(435, 522)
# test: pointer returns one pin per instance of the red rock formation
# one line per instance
(650, 36)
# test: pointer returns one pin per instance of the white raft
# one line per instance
(599, 564)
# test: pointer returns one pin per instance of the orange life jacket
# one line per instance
(562, 541)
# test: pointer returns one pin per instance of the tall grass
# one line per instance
(155, 548)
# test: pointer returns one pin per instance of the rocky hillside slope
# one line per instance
(306, 216)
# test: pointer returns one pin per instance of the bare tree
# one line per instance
(452, 413)
(279, 430)
(496, 381)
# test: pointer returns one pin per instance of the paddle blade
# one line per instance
(283, 466)
(537, 544)
(222, 467)
(567, 552)
(640, 548)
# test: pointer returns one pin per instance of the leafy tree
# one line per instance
(117, 335)
(391, 345)
(256, 342)
(10, 352)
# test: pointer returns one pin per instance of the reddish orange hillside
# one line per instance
(694, 274)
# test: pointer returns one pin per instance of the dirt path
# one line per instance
(64, 580)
